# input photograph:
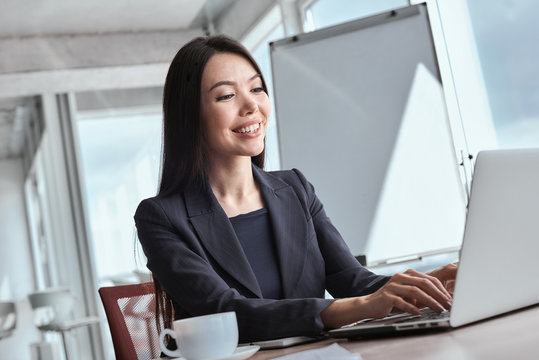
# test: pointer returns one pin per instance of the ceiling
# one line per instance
(55, 17)
(96, 17)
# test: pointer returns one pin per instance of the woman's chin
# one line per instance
(255, 151)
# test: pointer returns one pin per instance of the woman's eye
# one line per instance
(258, 89)
(224, 97)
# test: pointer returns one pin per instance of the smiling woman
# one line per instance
(235, 109)
(224, 235)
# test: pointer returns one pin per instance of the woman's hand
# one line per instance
(446, 274)
(409, 292)
(406, 292)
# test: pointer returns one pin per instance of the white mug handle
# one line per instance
(175, 353)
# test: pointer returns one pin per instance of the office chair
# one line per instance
(8, 319)
(130, 311)
(52, 312)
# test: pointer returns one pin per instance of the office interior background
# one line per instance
(80, 122)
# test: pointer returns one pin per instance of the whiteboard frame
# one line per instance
(356, 25)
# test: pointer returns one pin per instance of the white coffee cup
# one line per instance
(203, 337)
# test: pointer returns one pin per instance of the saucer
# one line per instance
(242, 352)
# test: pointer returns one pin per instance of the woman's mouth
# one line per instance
(248, 129)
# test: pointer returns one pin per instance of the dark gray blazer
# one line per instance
(194, 253)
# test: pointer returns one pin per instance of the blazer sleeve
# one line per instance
(345, 277)
(176, 260)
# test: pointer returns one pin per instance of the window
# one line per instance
(116, 178)
(508, 55)
(37, 223)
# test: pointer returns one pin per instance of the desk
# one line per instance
(512, 336)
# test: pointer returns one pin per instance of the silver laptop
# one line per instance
(498, 268)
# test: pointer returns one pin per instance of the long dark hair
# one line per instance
(184, 151)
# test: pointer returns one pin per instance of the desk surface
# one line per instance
(511, 336)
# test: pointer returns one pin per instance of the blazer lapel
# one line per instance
(218, 236)
(289, 222)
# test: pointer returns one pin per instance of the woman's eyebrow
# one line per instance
(229, 82)
(220, 83)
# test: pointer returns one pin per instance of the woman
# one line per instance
(223, 235)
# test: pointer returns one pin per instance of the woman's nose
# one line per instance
(249, 106)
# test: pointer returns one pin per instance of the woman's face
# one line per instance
(235, 108)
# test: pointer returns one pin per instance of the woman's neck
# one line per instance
(234, 186)
(231, 178)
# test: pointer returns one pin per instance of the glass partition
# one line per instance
(119, 136)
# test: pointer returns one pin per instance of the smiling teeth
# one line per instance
(248, 129)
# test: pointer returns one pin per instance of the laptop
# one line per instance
(498, 269)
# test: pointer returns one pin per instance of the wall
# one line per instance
(16, 274)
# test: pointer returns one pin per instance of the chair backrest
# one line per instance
(52, 307)
(8, 318)
(130, 311)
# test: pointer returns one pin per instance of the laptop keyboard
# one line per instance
(426, 314)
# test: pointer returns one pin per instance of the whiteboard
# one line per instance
(360, 111)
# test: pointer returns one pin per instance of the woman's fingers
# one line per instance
(431, 285)
(450, 286)
(421, 289)
(412, 290)
(405, 306)
(404, 291)
(445, 273)
(388, 299)
(434, 280)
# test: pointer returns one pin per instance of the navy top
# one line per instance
(256, 237)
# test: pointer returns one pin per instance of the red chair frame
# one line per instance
(122, 337)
